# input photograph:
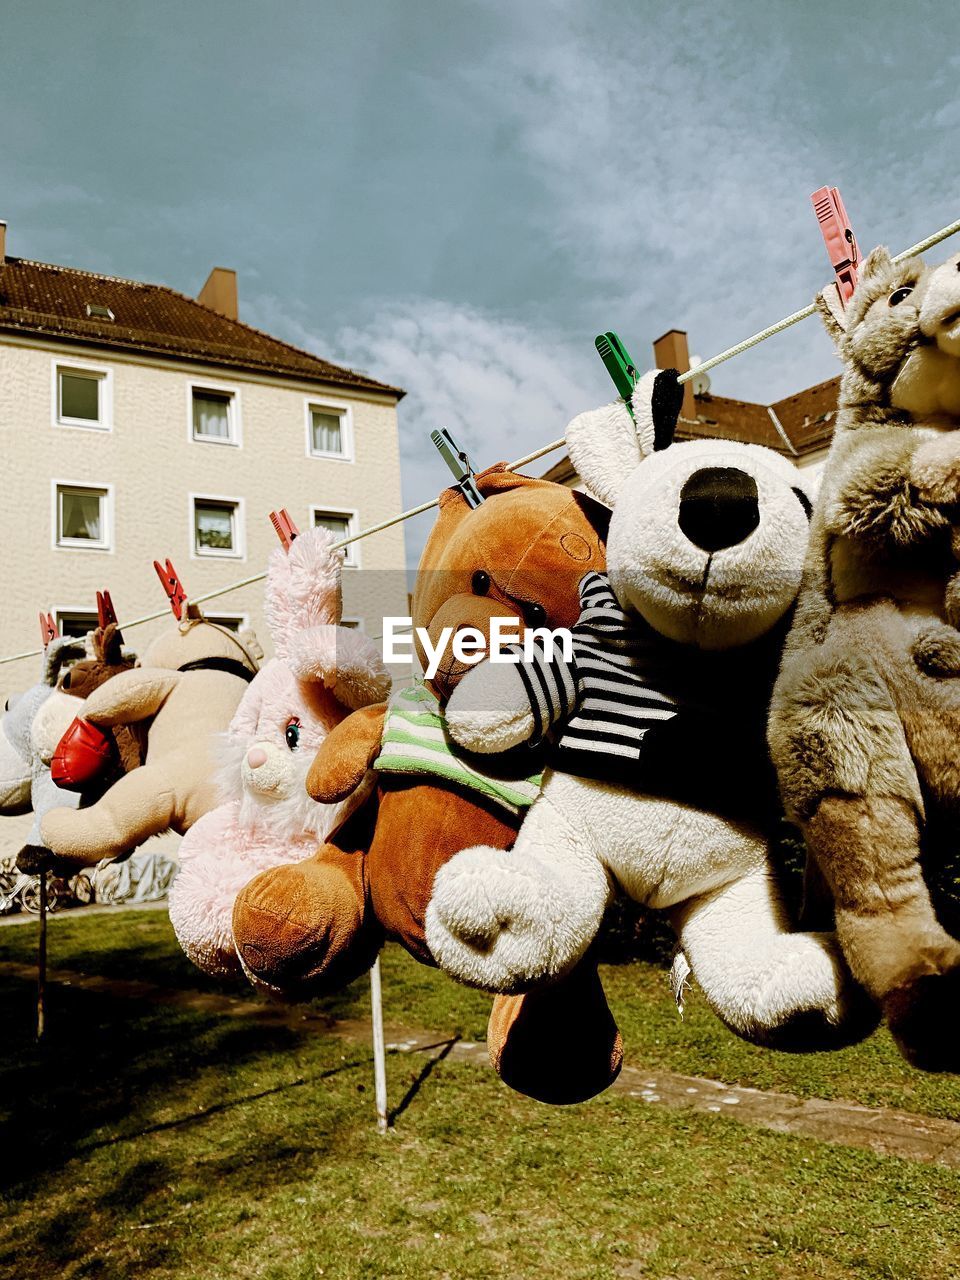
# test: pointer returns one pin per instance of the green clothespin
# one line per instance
(620, 366)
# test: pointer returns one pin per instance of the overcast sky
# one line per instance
(458, 196)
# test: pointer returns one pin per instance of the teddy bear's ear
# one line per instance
(57, 654)
(303, 587)
(607, 444)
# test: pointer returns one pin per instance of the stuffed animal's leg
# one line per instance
(505, 921)
(558, 1044)
(307, 927)
(868, 848)
(137, 806)
(787, 990)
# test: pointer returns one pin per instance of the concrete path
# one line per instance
(887, 1132)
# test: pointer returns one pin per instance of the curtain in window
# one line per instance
(339, 526)
(81, 515)
(211, 415)
(214, 527)
(327, 431)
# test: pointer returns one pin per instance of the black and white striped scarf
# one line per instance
(623, 679)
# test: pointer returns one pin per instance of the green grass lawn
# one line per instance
(148, 1138)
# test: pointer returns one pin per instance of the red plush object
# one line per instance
(83, 753)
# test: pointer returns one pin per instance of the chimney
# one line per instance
(220, 292)
(671, 352)
(3, 243)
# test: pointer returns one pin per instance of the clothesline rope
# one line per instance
(731, 352)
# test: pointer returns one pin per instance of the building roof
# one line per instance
(51, 302)
(796, 426)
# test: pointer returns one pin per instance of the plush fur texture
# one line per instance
(866, 713)
(311, 926)
(688, 836)
(180, 710)
(267, 818)
(29, 733)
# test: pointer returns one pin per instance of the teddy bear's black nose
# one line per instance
(718, 507)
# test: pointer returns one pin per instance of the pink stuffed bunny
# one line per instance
(322, 672)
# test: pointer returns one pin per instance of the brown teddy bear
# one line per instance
(315, 924)
(865, 719)
(188, 686)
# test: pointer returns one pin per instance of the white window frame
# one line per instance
(243, 619)
(351, 554)
(60, 609)
(346, 427)
(81, 544)
(240, 550)
(234, 415)
(104, 376)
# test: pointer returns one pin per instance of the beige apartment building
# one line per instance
(138, 424)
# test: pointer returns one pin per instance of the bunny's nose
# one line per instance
(256, 756)
(718, 508)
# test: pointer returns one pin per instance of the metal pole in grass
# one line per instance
(42, 959)
(379, 1051)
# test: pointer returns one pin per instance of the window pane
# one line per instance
(327, 433)
(230, 624)
(214, 522)
(338, 525)
(76, 624)
(81, 514)
(211, 415)
(79, 396)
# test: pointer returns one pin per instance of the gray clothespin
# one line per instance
(458, 462)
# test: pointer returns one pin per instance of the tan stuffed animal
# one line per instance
(187, 688)
(865, 720)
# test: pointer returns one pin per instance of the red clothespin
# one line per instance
(285, 528)
(106, 612)
(172, 586)
(48, 629)
(839, 238)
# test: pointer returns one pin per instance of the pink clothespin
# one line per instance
(106, 612)
(48, 628)
(172, 586)
(839, 238)
(285, 528)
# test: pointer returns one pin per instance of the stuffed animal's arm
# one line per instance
(130, 696)
(490, 710)
(346, 754)
(884, 492)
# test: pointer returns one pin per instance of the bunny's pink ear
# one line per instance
(343, 660)
(303, 588)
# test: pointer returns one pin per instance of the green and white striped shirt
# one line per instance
(415, 740)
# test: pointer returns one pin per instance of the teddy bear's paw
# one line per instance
(803, 998)
(922, 1018)
(492, 922)
(936, 650)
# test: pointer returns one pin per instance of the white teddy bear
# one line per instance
(660, 785)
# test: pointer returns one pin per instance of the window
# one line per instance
(75, 622)
(217, 527)
(214, 416)
(329, 430)
(81, 396)
(99, 311)
(342, 524)
(232, 621)
(81, 516)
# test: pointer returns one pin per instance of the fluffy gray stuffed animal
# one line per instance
(32, 726)
(865, 721)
